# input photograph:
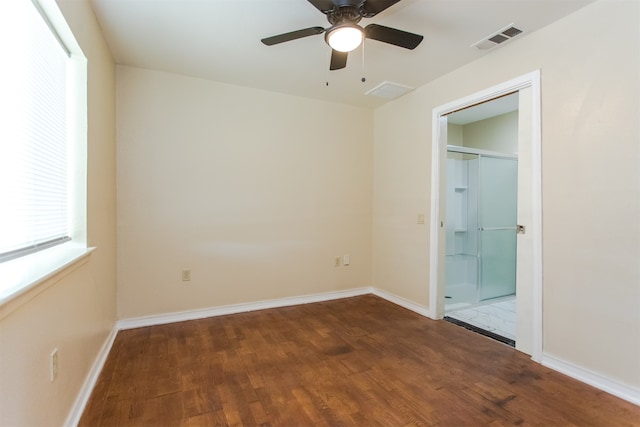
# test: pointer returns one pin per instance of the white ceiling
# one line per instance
(220, 40)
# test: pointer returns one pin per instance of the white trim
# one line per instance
(616, 388)
(536, 214)
(90, 381)
(531, 80)
(498, 90)
(32, 274)
(438, 128)
(402, 302)
(181, 316)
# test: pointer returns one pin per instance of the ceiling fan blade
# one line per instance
(338, 60)
(322, 5)
(293, 35)
(371, 8)
(392, 36)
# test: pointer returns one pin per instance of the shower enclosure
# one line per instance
(481, 226)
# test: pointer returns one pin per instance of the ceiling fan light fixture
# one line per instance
(344, 37)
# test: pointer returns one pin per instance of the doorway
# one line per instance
(480, 227)
(528, 260)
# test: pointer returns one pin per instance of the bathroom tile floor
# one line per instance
(498, 317)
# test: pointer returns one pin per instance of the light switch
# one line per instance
(420, 218)
(346, 260)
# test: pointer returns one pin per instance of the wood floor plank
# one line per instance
(215, 418)
(354, 362)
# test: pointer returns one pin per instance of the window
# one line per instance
(33, 155)
(42, 139)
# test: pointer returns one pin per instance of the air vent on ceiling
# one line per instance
(500, 36)
(389, 90)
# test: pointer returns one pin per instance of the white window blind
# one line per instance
(33, 137)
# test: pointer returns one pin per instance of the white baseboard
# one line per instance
(623, 391)
(181, 316)
(73, 418)
(402, 302)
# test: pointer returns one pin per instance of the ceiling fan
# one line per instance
(344, 34)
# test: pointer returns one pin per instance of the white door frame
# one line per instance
(438, 139)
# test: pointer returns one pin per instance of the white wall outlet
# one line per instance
(186, 275)
(53, 365)
(346, 260)
(337, 262)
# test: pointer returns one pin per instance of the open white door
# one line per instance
(524, 272)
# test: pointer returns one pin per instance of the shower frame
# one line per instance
(478, 250)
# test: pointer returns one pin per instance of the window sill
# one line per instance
(22, 275)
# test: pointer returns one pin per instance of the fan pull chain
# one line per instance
(326, 83)
(363, 79)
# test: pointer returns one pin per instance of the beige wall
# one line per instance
(74, 311)
(255, 192)
(590, 159)
(499, 133)
(455, 134)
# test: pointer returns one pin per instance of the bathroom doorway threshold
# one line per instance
(489, 334)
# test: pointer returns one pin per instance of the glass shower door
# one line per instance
(498, 182)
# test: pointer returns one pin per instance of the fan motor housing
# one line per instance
(343, 14)
(352, 3)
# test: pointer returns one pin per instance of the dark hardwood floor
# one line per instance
(353, 362)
